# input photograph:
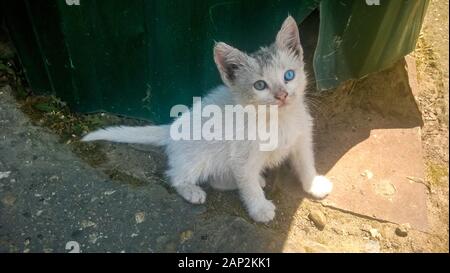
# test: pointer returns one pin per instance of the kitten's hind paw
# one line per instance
(320, 187)
(192, 193)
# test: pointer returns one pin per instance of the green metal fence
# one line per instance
(138, 58)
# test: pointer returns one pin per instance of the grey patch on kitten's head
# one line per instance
(239, 71)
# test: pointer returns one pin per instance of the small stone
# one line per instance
(139, 217)
(39, 213)
(367, 174)
(402, 230)
(318, 219)
(87, 223)
(374, 233)
(4, 174)
(48, 250)
(53, 178)
(107, 193)
(9, 200)
(186, 235)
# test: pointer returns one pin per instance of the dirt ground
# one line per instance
(342, 231)
(432, 69)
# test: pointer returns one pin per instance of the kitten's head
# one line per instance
(273, 75)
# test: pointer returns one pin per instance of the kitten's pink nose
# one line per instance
(281, 95)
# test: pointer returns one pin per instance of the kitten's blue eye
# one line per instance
(260, 85)
(289, 75)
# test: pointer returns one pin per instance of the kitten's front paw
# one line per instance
(192, 193)
(320, 187)
(262, 211)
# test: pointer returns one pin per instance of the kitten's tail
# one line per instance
(156, 135)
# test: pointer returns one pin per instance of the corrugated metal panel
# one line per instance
(357, 39)
(139, 58)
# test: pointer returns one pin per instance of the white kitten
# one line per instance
(271, 76)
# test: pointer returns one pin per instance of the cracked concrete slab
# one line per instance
(382, 176)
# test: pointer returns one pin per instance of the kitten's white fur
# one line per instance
(227, 165)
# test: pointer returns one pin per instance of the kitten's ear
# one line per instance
(288, 37)
(228, 60)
